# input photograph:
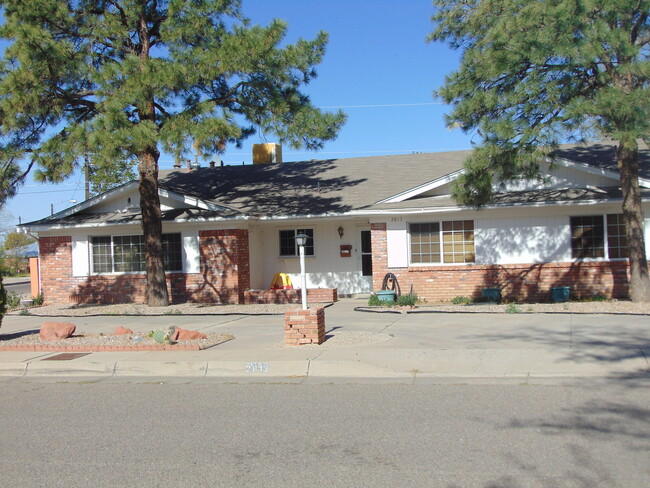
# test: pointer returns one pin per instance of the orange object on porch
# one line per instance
(281, 281)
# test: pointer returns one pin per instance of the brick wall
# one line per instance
(56, 268)
(224, 275)
(304, 326)
(524, 282)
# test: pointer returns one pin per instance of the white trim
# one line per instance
(80, 256)
(192, 201)
(95, 200)
(419, 190)
(594, 170)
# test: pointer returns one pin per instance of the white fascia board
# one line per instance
(406, 211)
(98, 225)
(127, 187)
(192, 201)
(587, 168)
(419, 190)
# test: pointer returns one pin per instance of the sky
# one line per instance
(378, 68)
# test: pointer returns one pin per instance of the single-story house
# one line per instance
(229, 229)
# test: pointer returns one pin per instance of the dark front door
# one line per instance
(366, 253)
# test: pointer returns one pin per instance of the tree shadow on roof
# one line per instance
(271, 189)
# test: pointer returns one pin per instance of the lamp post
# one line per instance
(301, 240)
(57, 203)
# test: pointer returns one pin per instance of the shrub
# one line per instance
(461, 300)
(408, 300)
(512, 308)
(39, 300)
(13, 300)
(374, 301)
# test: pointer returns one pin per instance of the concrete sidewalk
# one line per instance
(401, 347)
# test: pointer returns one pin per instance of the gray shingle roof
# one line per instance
(338, 186)
(312, 187)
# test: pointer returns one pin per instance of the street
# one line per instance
(20, 286)
(203, 433)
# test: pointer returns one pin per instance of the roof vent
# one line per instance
(267, 153)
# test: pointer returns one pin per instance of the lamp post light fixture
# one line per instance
(301, 240)
(58, 203)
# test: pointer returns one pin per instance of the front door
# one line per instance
(366, 253)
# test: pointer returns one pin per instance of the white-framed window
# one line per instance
(598, 237)
(446, 242)
(288, 246)
(125, 254)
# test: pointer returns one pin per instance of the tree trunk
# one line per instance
(152, 228)
(628, 164)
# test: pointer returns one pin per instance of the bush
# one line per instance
(408, 300)
(12, 300)
(374, 301)
(39, 300)
(512, 308)
(461, 300)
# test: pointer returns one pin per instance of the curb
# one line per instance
(144, 347)
(291, 370)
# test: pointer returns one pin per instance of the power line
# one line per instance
(384, 105)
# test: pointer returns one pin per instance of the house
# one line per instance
(228, 230)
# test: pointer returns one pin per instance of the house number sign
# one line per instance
(257, 367)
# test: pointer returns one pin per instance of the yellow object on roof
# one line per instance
(281, 281)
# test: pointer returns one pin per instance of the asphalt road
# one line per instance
(21, 286)
(205, 434)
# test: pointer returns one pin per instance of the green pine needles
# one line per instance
(123, 80)
(534, 73)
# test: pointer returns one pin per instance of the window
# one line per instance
(616, 238)
(288, 246)
(125, 254)
(589, 234)
(446, 242)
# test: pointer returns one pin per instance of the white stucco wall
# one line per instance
(510, 240)
(326, 269)
(509, 236)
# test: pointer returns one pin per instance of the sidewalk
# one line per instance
(362, 345)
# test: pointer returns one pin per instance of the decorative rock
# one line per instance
(123, 331)
(187, 335)
(54, 331)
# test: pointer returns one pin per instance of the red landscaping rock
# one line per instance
(54, 331)
(123, 331)
(187, 335)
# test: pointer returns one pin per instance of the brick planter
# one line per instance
(304, 326)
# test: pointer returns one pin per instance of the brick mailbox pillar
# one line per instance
(304, 326)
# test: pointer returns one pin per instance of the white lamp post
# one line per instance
(301, 240)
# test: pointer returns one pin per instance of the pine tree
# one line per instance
(536, 72)
(128, 79)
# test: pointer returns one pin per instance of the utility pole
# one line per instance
(87, 175)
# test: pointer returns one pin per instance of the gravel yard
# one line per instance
(604, 307)
(137, 339)
(599, 307)
(140, 309)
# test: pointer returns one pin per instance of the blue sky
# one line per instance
(378, 68)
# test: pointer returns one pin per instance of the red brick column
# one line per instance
(379, 254)
(225, 268)
(56, 268)
(304, 326)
